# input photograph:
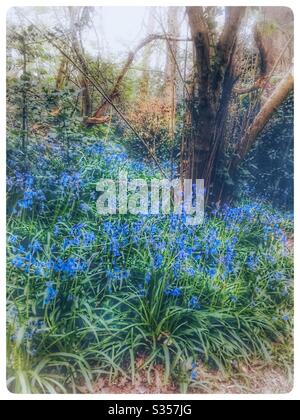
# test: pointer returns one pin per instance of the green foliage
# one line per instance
(273, 159)
(88, 295)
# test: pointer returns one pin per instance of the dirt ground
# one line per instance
(255, 380)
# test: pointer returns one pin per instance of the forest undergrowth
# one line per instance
(98, 298)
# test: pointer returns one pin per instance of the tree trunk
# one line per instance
(212, 90)
(86, 102)
(61, 77)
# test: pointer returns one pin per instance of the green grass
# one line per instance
(236, 269)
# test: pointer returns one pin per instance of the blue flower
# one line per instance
(176, 292)
(56, 230)
(18, 261)
(194, 373)
(24, 204)
(66, 243)
(50, 293)
(147, 277)
(194, 303)
(36, 246)
(117, 274)
(158, 261)
(252, 262)
(115, 248)
(76, 230)
(73, 181)
(13, 239)
(88, 238)
(141, 291)
(191, 271)
(84, 207)
(279, 276)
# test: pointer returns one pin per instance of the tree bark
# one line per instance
(212, 91)
(201, 107)
(86, 102)
(61, 77)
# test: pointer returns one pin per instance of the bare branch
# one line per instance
(115, 90)
(258, 84)
(226, 45)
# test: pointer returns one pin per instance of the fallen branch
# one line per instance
(115, 90)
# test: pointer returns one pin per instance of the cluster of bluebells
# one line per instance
(77, 236)
(71, 182)
(43, 182)
(28, 260)
(192, 261)
(188, 252)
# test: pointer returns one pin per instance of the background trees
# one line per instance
(197, 88)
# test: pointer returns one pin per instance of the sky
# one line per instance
(118, 28)
(123, 26)
(115, 30)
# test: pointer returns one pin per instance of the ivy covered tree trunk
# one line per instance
(212, 89)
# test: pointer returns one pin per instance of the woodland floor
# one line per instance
(258, 379)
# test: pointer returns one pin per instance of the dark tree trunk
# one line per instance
(86, 102)
(212, 90)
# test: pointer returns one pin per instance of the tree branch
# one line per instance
(258, 84)
(263, 65)
(262, 118)
(226, 45)
(115, 90)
